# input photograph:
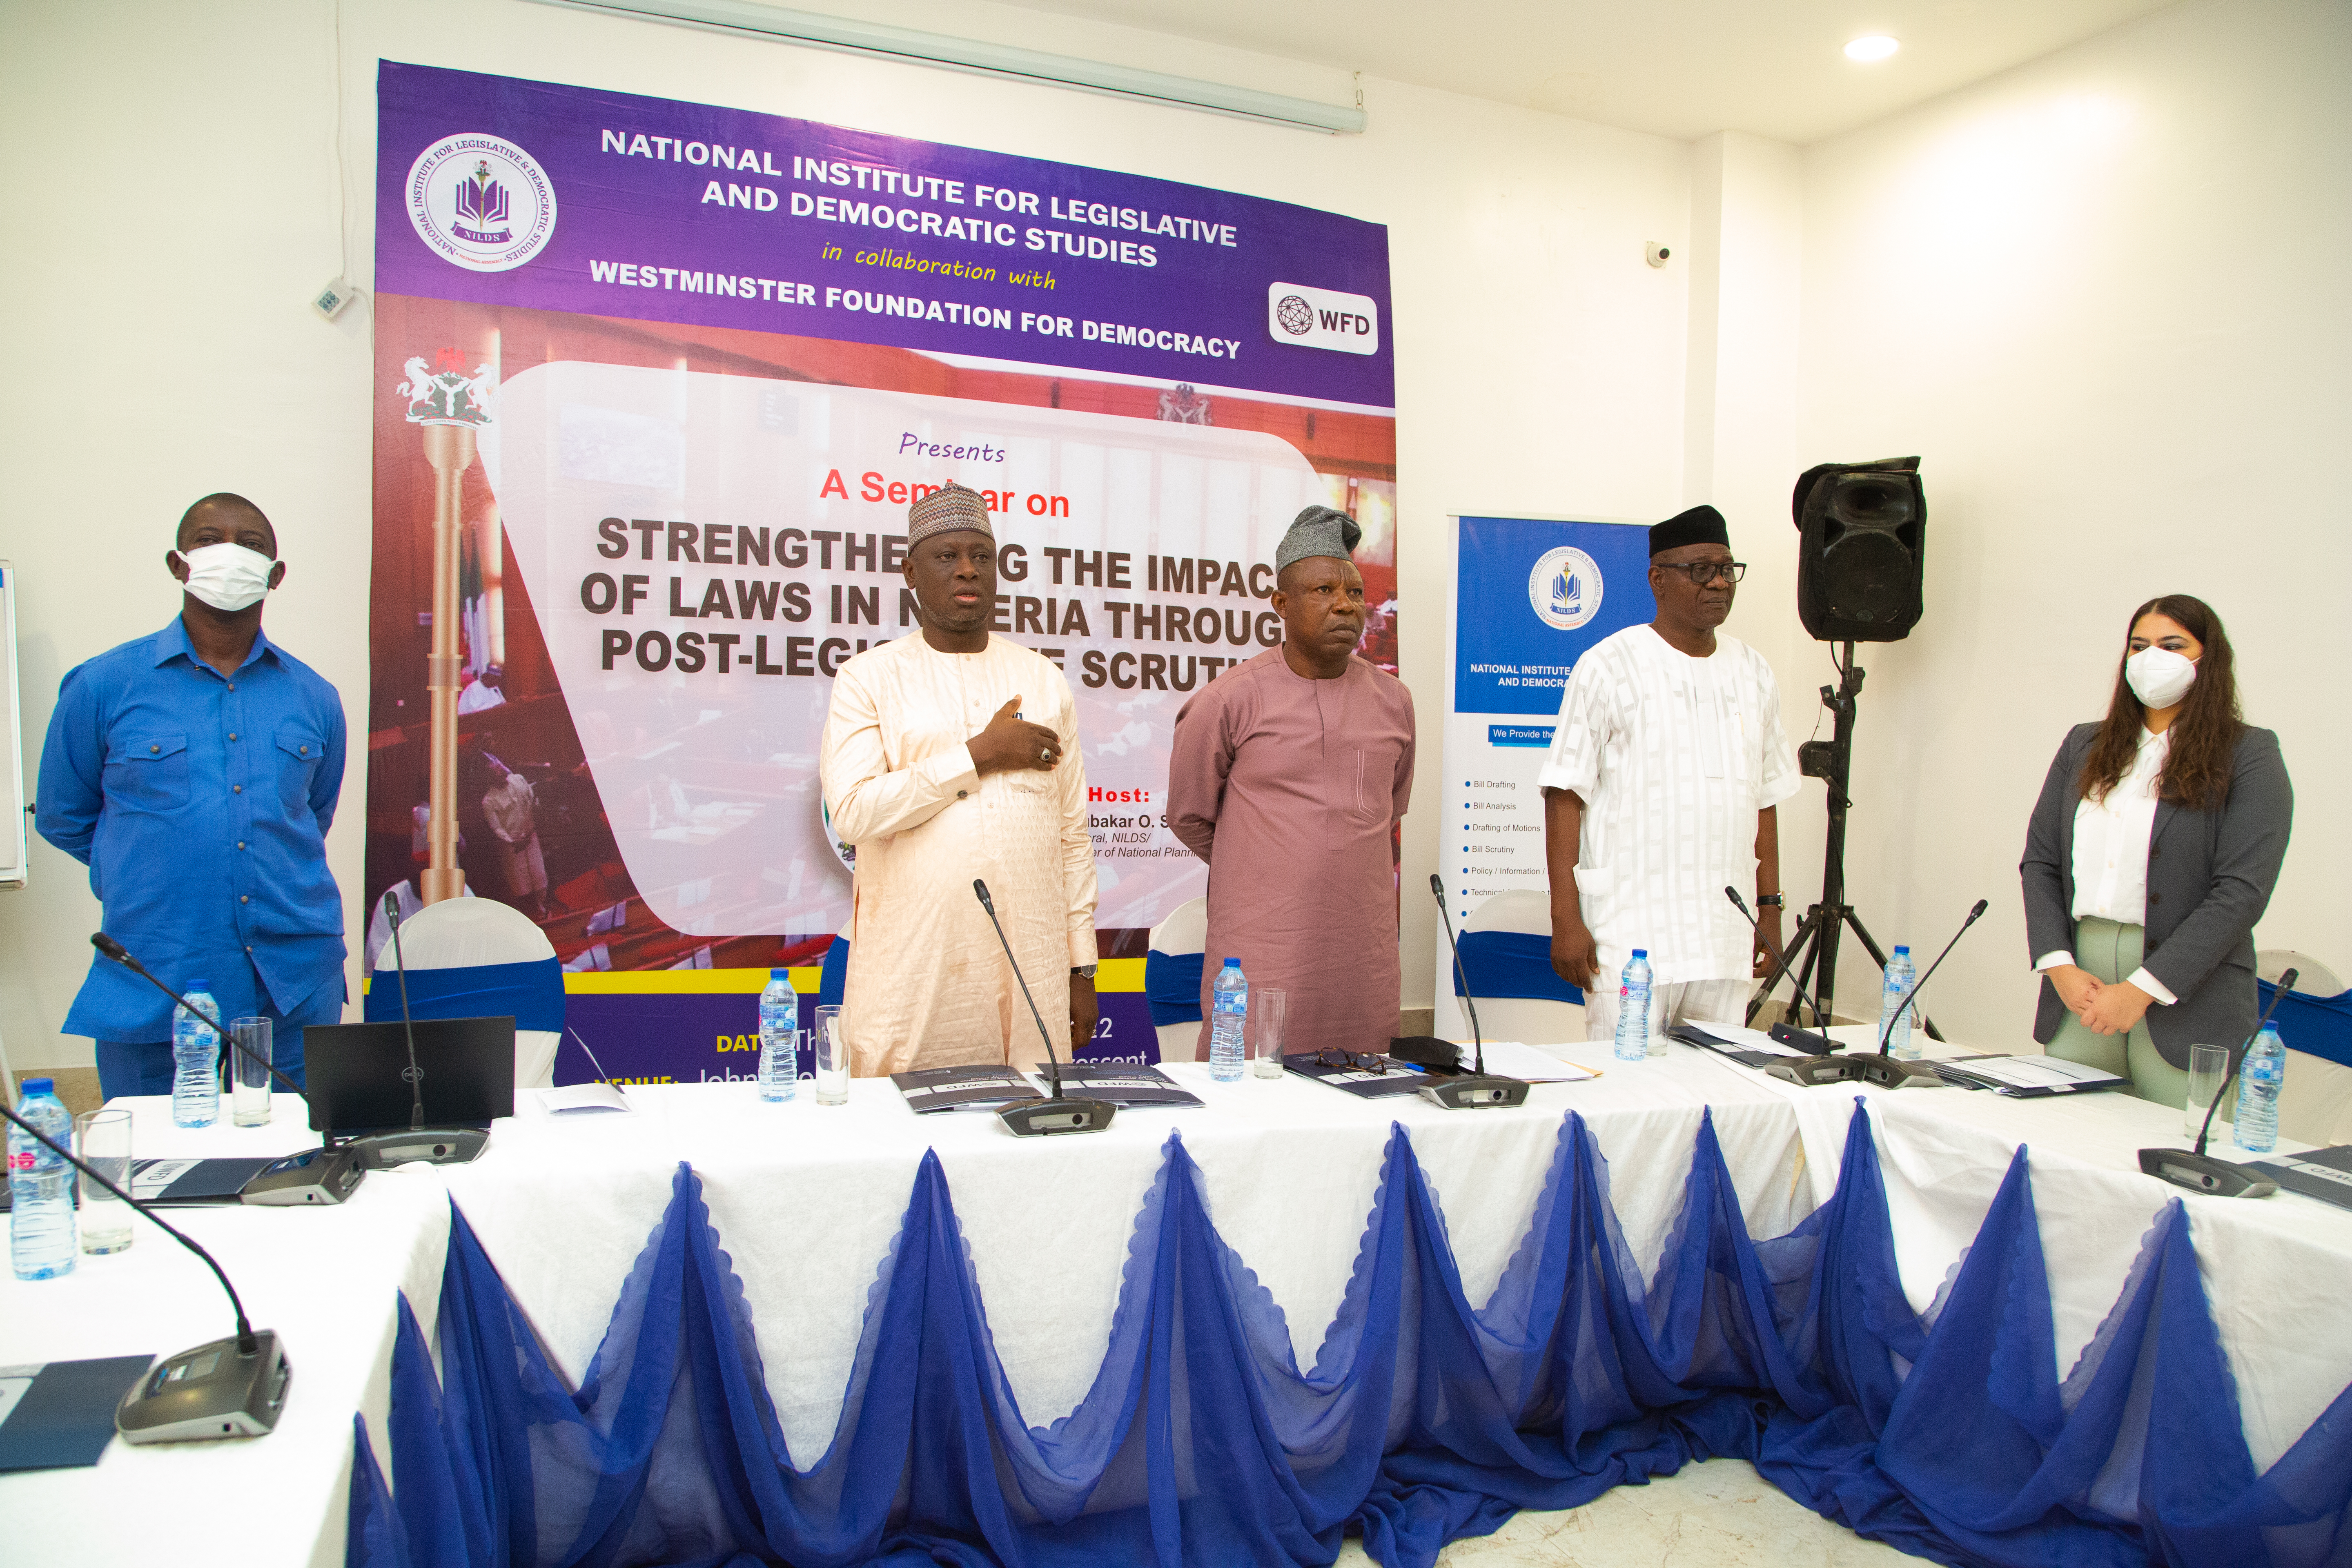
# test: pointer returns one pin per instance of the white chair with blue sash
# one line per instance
(1507, 953)
(1172, 979)
(2315, 1020)
(478, 958)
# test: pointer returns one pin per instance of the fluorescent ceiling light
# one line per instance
(1871, 49)
(773, 22)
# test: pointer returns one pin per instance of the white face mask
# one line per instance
(226, 576)
(2159, 676)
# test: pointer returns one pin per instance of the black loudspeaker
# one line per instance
(1862, 550)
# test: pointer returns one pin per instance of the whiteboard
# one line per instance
(12, 772)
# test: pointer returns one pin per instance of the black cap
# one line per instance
(1700, 525)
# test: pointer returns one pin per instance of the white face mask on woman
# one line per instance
(226, 576)
(2159, 676)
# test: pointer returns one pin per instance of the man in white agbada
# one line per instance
(949, 755)
(1660, 792)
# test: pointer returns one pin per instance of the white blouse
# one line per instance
(2111, 842)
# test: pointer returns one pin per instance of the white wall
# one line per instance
(179, 165)
(2105, 296)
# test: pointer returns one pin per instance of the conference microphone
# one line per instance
(1788, 1034)
(1885, 1072)
(233, 1387)
(420, 1145)
(326, 1174)
(1041, 1117)
(1462, 1093)
(1890, 1072)
(2200, 1172)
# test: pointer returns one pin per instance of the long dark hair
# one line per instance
(2204, 732)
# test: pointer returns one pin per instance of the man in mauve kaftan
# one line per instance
(928, 983)
(1291, 789)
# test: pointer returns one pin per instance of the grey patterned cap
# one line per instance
(1318, 531)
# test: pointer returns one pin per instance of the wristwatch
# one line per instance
(1082, 971)
(1770, 901)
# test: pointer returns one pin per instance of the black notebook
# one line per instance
(1398, 1077)
(176, 1181)
(2322, 1174)
(928, 1089)
(61, 1415)
(1120, 1083)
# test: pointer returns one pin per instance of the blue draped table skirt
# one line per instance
(1949, 1432)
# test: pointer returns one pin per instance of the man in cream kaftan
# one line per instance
(912, 782)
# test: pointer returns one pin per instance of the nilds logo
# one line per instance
(1564, 588)
(480, 203)
(1322, 319)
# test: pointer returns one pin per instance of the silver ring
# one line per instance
(1045, 754)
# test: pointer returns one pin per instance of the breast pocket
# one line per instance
(149, 772)
(300, 749)
(1376, 783)
(1364, 795)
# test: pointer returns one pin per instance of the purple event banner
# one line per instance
(506, 192)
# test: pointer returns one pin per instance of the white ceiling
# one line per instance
(1674, 68)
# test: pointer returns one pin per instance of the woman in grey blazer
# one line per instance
(2152, 852)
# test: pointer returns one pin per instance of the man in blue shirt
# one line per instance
(195, 773)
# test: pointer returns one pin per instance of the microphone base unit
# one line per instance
(313, 1176)
(2204, 1174)
(430, 1145)
(1809, 1071)
(1475, 1093)
(212, 1391)
(1051, 1117)
(1898, 1072)
(1805, 1039)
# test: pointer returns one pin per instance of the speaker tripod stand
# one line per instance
(1816, 936)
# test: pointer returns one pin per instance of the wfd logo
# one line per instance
(481, 202)
(1564, 589)
(1322, 319)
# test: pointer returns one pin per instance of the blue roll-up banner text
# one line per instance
(1529, 597)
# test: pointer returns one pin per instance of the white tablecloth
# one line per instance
(807, 1198)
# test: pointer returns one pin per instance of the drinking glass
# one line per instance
(250, 1076)
(2206, 1065)
(832, 1059)
(104, 1137)
(1269, 1007)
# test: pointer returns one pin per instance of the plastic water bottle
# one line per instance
(1897, 999)
(1225, 1031)
(780, 1038)
(2258, 1082)
(196, 1061)
(1634, 1008)
(42, 1242)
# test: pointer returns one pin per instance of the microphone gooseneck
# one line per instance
(1477, 1039)
(110, 948)
(414, 1075)
(1886, 1034)
(1820, 1019)
(247, 1344)
(2238, 1058)
(979, 890)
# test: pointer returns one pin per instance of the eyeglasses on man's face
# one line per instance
(1705, 571)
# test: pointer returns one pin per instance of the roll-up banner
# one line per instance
(654, 385)
(1529, 597)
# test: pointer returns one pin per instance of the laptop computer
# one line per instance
(354, 1083)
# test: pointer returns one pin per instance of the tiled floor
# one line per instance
(1720, 1514)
